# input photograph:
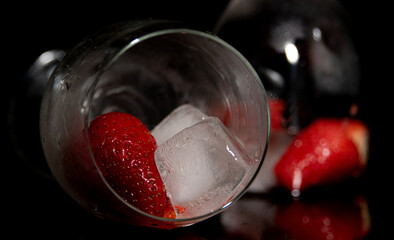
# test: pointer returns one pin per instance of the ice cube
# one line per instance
(201, 167)
(182, 117)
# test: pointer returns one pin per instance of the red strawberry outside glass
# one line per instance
(146, 69)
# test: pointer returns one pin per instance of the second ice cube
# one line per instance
(182, 117)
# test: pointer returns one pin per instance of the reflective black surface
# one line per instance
(35, 206)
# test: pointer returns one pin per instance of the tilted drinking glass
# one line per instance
(146, 68)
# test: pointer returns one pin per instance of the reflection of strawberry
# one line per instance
(124, 152)
(327, 151)
(324, 220)
(277, 107)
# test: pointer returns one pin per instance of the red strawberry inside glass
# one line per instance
(124, 152)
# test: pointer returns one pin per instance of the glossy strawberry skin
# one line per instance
(323, 153)
(123, 149)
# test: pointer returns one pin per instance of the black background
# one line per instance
(35, 207)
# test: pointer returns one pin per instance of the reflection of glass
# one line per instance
(344, 216)
(249, 218)
(345, 219)
(305, 57)
(147, 69)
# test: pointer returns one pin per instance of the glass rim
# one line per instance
(168, 31)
